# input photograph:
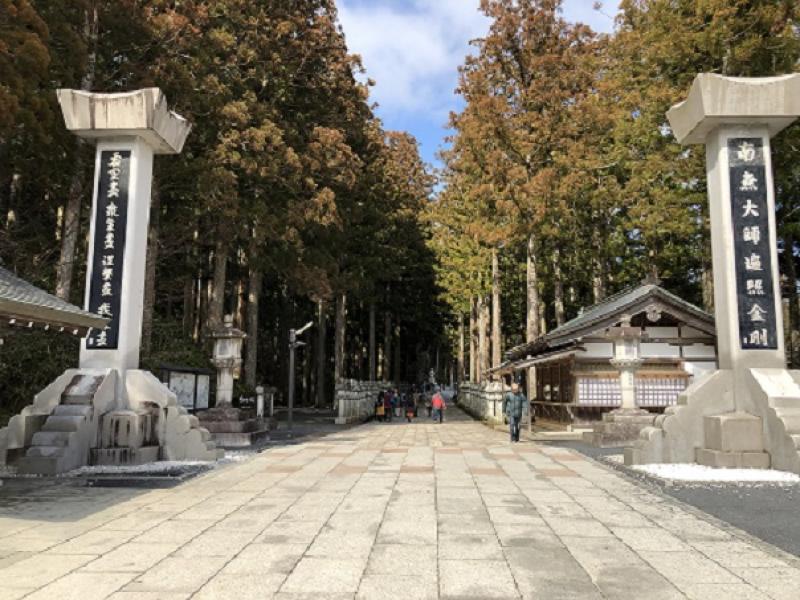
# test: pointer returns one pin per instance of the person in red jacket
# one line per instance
(438, 405)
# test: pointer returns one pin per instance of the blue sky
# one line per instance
(412, 49)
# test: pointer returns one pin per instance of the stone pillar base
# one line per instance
(619, 427)
(233, 427)
(709, 418)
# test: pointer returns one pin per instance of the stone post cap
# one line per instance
(141, 113)
(716, 100)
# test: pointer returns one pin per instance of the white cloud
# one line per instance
(412, 49)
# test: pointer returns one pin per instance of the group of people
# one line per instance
(392, 403)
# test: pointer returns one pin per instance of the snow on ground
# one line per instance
(163, 466)
(699, 473)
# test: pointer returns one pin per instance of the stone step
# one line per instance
(76, 398)
(45, 452)
(63, 423)
(51, 438)
(732, 460)
(72, 410)
(791, 423)
(784, 402)
(788, 412)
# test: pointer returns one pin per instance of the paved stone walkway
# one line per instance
(383, 511)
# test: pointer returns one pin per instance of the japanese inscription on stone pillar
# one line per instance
(751, 239)
(109, 246)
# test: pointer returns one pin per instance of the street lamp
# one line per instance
(293, 345)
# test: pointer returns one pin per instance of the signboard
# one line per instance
(111, 219)
(191, 388)
(751, 239)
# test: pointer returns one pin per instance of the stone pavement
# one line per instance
(383, 511)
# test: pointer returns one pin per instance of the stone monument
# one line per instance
(108, 410)
(229, 426)
(748, 412)
(622, 426)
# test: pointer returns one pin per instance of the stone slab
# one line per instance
(733, 432)
(732, 460)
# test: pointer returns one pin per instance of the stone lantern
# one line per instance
(621, 426)
(626, 340)
(232, 427)
(227, 359)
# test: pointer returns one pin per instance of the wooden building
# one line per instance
(572, 377)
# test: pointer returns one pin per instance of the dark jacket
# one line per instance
(515, 405)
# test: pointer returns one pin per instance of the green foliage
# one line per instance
(564, 142)
(29, 361)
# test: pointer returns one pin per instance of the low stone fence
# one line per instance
(482, 400)
(355, 400)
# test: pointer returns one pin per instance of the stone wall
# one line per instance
(482, 400)
(355, 400)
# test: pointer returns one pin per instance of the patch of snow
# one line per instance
(154, 467)
(700, 473)
(237, 456)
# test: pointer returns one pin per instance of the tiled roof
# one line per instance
(25, 302)
(601, 315)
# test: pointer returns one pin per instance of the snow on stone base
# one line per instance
(699, 473)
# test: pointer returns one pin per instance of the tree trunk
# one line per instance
(373, 376)
(558, 285)
(251, 343)
(707, 284)
(497, 350)
(532, 331)
(339, 337)
(473, 336)
(216, 304)
(72, 210)
(483, 351)
(148, 309)
(387, 346)
(397, 358)
(188, 306)
(460, 363)
(598, 271)
(321, 359)
(69, 238)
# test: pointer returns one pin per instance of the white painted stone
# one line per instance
(715, 100)
(141, 113)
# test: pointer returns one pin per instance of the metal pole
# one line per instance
(292, 344)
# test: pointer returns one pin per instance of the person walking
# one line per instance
(380, 413)
(438, 405)
(410, 407)
(387, 406)
(515, 406)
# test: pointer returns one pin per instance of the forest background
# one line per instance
(562, 182)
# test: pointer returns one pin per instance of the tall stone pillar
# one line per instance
(129, 129)
(735, 118)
